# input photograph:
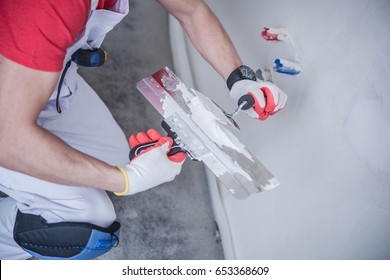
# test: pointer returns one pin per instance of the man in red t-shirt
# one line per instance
(56, 168)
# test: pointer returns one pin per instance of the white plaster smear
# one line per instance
(210, 121)
(213, 127)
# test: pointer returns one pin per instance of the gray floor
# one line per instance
(175, 220)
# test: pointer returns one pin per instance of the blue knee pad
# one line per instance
(65, 240)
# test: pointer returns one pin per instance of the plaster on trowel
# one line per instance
(201, 128)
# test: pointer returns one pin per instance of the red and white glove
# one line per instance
(152, 166)
(269, 99)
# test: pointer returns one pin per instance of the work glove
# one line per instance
(152, 166)
(268, 98)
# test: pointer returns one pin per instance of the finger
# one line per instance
(256, 106)
(281, 104)
(153, 134)
(178, 157)
(143, 137)
(163, 140)
(133, 141)
(264, 116)
(269, 100)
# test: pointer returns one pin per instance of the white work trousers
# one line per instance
(88, 126)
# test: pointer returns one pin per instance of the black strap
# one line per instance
(241, 73)
(87, 58)
(67, 65)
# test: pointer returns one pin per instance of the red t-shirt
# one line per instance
(37, 33)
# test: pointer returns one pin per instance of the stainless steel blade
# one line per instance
(203, 129)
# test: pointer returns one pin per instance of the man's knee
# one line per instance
(93, 206)
(83, 228)
(65, 240)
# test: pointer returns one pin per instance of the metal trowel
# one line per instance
(201, 128)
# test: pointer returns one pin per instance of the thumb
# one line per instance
(165, 143)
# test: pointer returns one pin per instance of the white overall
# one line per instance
(85, 124)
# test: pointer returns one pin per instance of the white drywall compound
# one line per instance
(329, 147)
(201, 128)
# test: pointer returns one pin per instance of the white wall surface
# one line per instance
(330, 146)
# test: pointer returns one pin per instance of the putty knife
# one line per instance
(202, 129)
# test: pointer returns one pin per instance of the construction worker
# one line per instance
(60, 148)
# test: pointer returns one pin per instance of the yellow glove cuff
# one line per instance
(126, 190)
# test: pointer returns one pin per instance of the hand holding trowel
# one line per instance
(202, 130)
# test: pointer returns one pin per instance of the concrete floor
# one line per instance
(174, 220)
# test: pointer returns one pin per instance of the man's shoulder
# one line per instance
(37, 33)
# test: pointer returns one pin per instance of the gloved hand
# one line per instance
(152, 166)
(269, 99)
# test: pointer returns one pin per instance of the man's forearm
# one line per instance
(212, 41)
(47, 157)
(206, 34)
(25, 147)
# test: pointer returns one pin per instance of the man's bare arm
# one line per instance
(206, 34)
(26, 147)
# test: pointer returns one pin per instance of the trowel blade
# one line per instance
(203, 129)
